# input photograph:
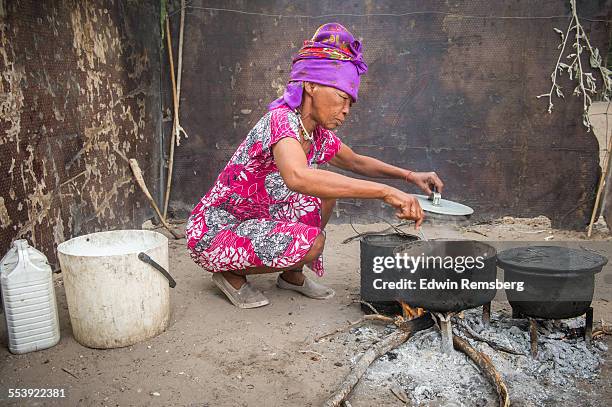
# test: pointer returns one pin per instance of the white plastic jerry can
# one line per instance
(28, 296)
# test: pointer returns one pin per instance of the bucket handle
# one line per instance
(144, 257)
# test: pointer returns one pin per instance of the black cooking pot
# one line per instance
(451, 298)
(375, 245)
(558, 282)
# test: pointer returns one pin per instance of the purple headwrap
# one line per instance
(331, 58)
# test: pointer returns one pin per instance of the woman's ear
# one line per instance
(310, 88)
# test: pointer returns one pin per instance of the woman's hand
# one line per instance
(406, 205)
(425, 181)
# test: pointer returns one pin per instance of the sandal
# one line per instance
(309, 288)
(246, 297)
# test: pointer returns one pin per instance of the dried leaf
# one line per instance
(595, 58)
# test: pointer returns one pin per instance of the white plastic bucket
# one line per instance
(114, 298)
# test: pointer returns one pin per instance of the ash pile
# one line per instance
(419, 372)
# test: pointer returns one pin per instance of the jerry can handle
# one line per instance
(22, 250)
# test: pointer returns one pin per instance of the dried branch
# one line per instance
(373, 317)
(370, 306)
(585, 80)
(387, 344)
(486, 365)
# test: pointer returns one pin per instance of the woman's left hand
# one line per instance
(426, 181)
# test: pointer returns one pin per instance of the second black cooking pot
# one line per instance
(558, 282)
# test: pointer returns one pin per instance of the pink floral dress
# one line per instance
(249, 217)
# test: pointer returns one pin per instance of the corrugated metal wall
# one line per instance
(452, 87)
(79, 95)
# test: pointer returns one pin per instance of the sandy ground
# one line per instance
(215, 354)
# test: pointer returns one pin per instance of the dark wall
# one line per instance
(79, 95)
(447, 91)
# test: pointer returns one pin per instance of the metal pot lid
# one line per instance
(550, 258)
(443, 206)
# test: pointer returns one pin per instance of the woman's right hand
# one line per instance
(407, 206)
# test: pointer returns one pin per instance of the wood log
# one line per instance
(486, 366)
(390, 342)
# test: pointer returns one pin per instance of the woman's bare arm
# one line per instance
(347, 159)
(293, 167)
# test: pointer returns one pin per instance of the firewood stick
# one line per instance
(476, 336)
(486, 365)
(373, 317)
(601, 332)
(140, 180)
(370, 306)
(387, 344)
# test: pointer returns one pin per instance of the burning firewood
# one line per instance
(399, 321)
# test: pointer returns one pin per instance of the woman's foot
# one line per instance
(236, 280)
(308, 287)
(245, 296)
(295, 277)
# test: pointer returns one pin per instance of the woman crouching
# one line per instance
(268, 208)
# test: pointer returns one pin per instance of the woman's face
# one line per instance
(330, 106)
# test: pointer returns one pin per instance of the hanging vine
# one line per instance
(573, 66)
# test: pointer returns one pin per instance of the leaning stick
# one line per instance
(486, 365)
(390, 342)
(179, 65)
(600, 187)
(175, 115)
(143, 186)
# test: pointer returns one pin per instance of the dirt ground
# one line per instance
(215, 354)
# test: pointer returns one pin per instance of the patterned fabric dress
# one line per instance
(249, 217)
